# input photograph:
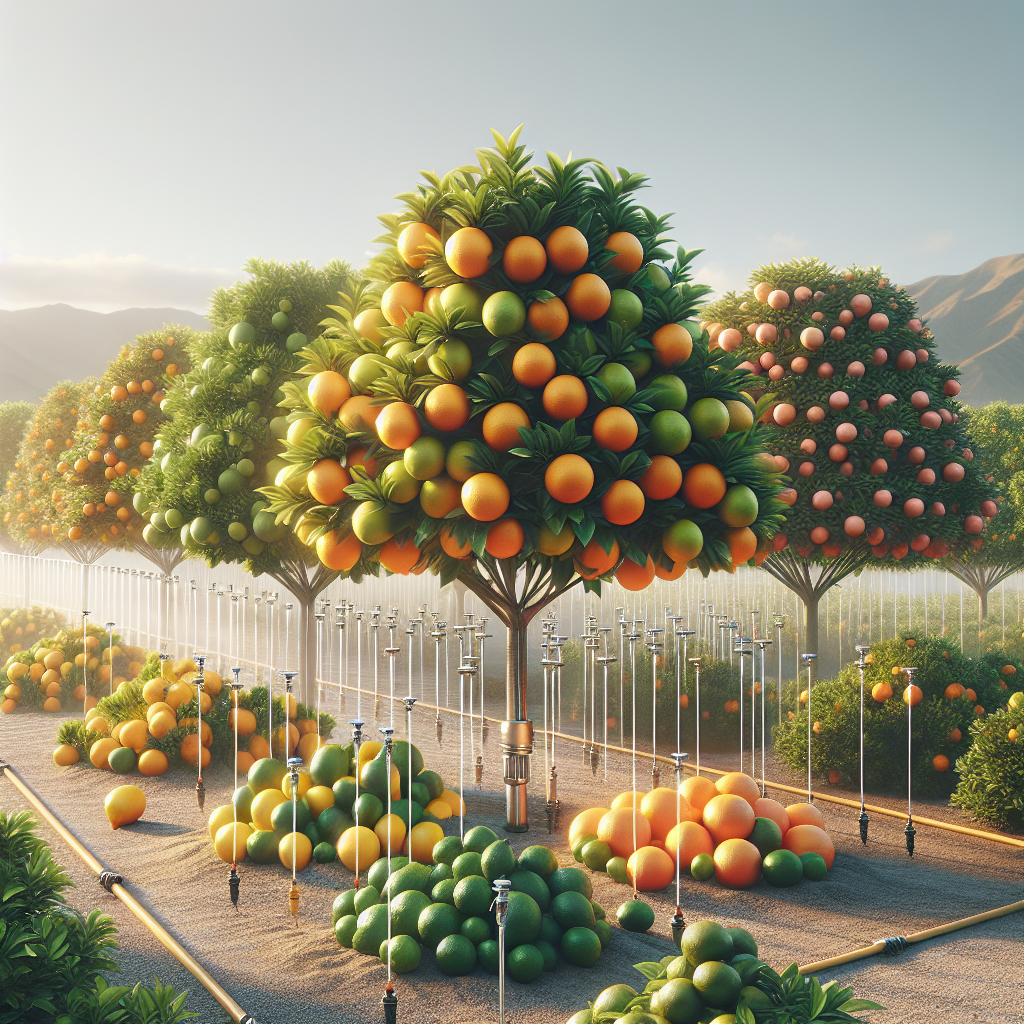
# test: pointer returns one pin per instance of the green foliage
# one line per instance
(827, 374)
(14, 417)
(21, 626)
(835, 705)
(991, 786)
(124, 704)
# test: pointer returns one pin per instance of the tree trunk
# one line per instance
(517, 730)
(307, 652)
(810, 625)
(982, 593)
(515, 679)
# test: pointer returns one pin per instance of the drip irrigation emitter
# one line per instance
(200, 681)
(289, 683)
(357, 742)
(862, 663)
(654, 647)
(763, 642)
(409, 702)
(697, 664)
(809, 660)
(110, 653)
(375, 626)
(780, 622)
(677, 922)
(439, 633)
(294, 764)
(501, 888)
(590, 648)
(743, 647)
(484, 730)
(553, 805)
(604, 661)
(464, 671)
(909, 832)
(233, 879)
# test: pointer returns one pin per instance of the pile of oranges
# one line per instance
(526, 379)
(864, 419)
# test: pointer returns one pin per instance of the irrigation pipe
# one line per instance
(898, 943)
(113, 884)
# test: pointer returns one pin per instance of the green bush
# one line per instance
(835, 710)
(991, 787)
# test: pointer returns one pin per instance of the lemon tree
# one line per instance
(224, 432)
(523, 400)
(863, 419)
(118, 420)
(14, 417)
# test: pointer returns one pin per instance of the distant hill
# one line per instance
(41, 346)
(978, 322)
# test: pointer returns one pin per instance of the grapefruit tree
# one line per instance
(224, 433)
(863, 419)
(529, 404)
(14, 417)
(999, 431)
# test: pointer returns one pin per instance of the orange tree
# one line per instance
(119, 419)
(14, 417)
(864, 419)
(529, 403)
(999, 431)
(32, 498)
(224, 431)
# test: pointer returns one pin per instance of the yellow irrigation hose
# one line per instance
(874, 808)
(898, 943)
(112, 883)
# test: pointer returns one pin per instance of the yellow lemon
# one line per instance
(229, 842)
(263, 805)
(124, 804)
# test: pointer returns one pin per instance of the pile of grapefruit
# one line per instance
(722, 829)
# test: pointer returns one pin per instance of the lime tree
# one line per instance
(225, 433)
(863, 419)
(527, 404)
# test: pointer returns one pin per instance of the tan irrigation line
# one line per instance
(112, 883)
(899, 943)
(874, 808)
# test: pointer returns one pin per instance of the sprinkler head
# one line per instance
(293, 901)
(390, 1003)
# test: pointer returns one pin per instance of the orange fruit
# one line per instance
(398, 425)
(594, 561)
(567, 249)
(953, 691)
(399, 556)
(505, 539)
(534, 365)
(368, 325)
(502, 422)
(411, 245)
(672, 344)
(400, 300)
(677, 572)
(616, 829)
(189, 751)
(359, 415)
(337, 552)
(615, 429)
(881, 692)
(632, 576)
(451, 546)
(804, 814)
(912, 695)
(687, 840)
(737, 864)
(554, 544)
(740, 784)
(662, 478)
(328, 391)
(432, 301)
(703, 485)
(439, 496)
(468, 252)
(630, 250)
(118, 393)
(742, 544)
(524, 259)
(485, 497)
(446, 407)
(940, 762)
(622, 504)
(548, 319)
(569, 478)
(565, 397)
(659, 808)
(650, 869)
(588, 297)
(728, 816)
(803, 839)
(585, 824)
(767, 808)
(327, 481)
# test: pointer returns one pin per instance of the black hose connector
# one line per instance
(678, 926)
(200, 792)
(895, 944)
(108, 879)
(910, 832)
(595, 760)
(863, 822)
(234, 882)
(390, 1003)
(438, 725)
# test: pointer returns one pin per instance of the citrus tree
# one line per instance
(999, 431)
(14, 417)
(224, 433)
(118, 422)
(529, 404)
(863, 418)
(31, 502)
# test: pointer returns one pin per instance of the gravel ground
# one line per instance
(283, 974)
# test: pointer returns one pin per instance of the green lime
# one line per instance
(718, 984)
(581, 946)
(122, 761)
(547, 951)
(596, 854)
(366, 896)
(523, 919)
(330, 763)
(706, 940)
(533, 885)
(614, 999)
(782, 868)
(658, 278)
(242, 800)
(323, 853)
(742, 941)
(497, 861)
(406, 908)
(667, 392)
(741, 417)
(281, 816)
(586, 1017)
(616, 868)
(368, 810)
(377, 875)
(570, 880)
(679, 967)
(467, 864)
(814, 865)
(440, 873)
(344, 905)
(455, 955)
(525, 963)
(401, 487)
(487, 956)
(230, 481)
(473, 896)
(452, 359)
(572, 909)
(261, 848)
(459, 461)
(604, 932)
(465, 298)
(344, 929)
(679, 1001)
(626, 309)
(619, 382)
(242, 333)
(365, 370)
(738, 508)
(476, 929)
(444, 891)
(723, 1018)
(577, 850)
(435, 787)
(478, 839)
(702, 867)
(295, 342)
(407, 878)
(332, 824)
(404, 952)
(437, 922)
(670, 432)
(599, 914)
(266, 773)
(637, 361)
(371, 930)
(766, 836)
(504, 313)
(635, 916)
(550, 930)
(709, 418)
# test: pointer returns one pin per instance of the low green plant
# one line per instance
(800, 999)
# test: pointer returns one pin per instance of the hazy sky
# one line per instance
(147, 149)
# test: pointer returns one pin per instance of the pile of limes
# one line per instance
(446, 907)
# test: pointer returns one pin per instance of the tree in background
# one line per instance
(530, 405)
(14, 417)
(119, 420)
(224, 433)
(863, 419)
(999, 430)
(31, 502)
